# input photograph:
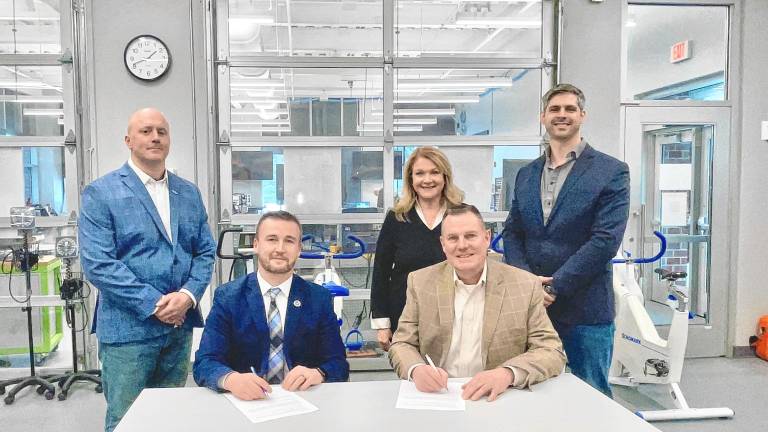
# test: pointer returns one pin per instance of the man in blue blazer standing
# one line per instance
(271, 326)
(146, 246)
(565, 224)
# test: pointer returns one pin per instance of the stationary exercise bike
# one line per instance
(640, 355)
(330, 280)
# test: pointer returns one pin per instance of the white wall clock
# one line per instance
(147, 57)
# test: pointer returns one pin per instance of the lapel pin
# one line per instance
(297, 303)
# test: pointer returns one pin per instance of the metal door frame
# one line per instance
(704, 340)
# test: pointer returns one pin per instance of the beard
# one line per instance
(283, 267)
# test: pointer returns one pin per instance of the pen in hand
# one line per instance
(266, 394)
(434, 368)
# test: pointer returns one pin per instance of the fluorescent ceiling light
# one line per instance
(260, 100)
(262, 129)
(25, 84)
(397, 129)
(497, 22)
(448, 99)
(43, 112)
(404, 112)
(263, 122)
(258, 83)
(251, 19)
(476, 90)
(261, 113)
(31, 99)
(447, 83)
(29, 18)
(406, 121)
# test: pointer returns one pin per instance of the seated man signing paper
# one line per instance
(474, 318)
(271, 326)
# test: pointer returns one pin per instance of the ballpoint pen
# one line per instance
(253, 369)
(431, 363)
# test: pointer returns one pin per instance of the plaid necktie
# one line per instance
(276, 365)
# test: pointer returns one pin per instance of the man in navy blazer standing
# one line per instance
(146, 246)
(565, 224)
(271, 326)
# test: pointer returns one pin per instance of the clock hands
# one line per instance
(147, 58)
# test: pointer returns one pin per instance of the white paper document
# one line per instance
(450, 400)
(280, 403)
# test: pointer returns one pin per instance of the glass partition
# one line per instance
(303, 102)
(468, 29)
(466, 102)
(307, 180)
(677, 52)
(31, 101)
(305, 28)
(29, 27)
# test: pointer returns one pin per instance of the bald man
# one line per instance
(146, 246)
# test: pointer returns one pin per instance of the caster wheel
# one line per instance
(49, 394)
(40, 390)
(9, 400)
(62, 396)
(99, 388)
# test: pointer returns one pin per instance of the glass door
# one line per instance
(678, 161)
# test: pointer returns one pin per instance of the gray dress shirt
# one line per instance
(553, 177)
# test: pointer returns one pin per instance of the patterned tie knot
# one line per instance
(273, 292)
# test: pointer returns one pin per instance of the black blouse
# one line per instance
(402, 247)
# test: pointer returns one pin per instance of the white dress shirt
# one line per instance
(465, 357)
(158, 191)
(282, 306)
(385, 323)
(282, 298)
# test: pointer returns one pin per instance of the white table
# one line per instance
(562, 404)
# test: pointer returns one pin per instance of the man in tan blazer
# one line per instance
(474, 318)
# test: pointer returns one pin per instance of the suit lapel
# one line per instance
(582, 165)
(133, 182)
(446, 293)
(534, 188)
(293, 315)
(256, 303)
(494, 300)
(174, 202)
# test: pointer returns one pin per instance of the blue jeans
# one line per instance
(128, 368)
(589, 349)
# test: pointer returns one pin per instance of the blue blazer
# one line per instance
(126, 253)
(236, 334)
(582, 235)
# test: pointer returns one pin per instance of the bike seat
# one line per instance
(670, 275)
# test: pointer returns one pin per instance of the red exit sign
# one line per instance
(680, 51)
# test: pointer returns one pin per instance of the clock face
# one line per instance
(147, 57)
(66, 247)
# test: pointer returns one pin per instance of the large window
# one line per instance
(36, 82)
(322, 102)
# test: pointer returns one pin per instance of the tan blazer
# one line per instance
(516, 332)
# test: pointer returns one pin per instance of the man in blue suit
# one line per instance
(146, 246)
(271, 326)
(565, 224)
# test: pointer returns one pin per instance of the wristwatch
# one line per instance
(322, 372)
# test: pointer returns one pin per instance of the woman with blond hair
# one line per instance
(410, 236)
